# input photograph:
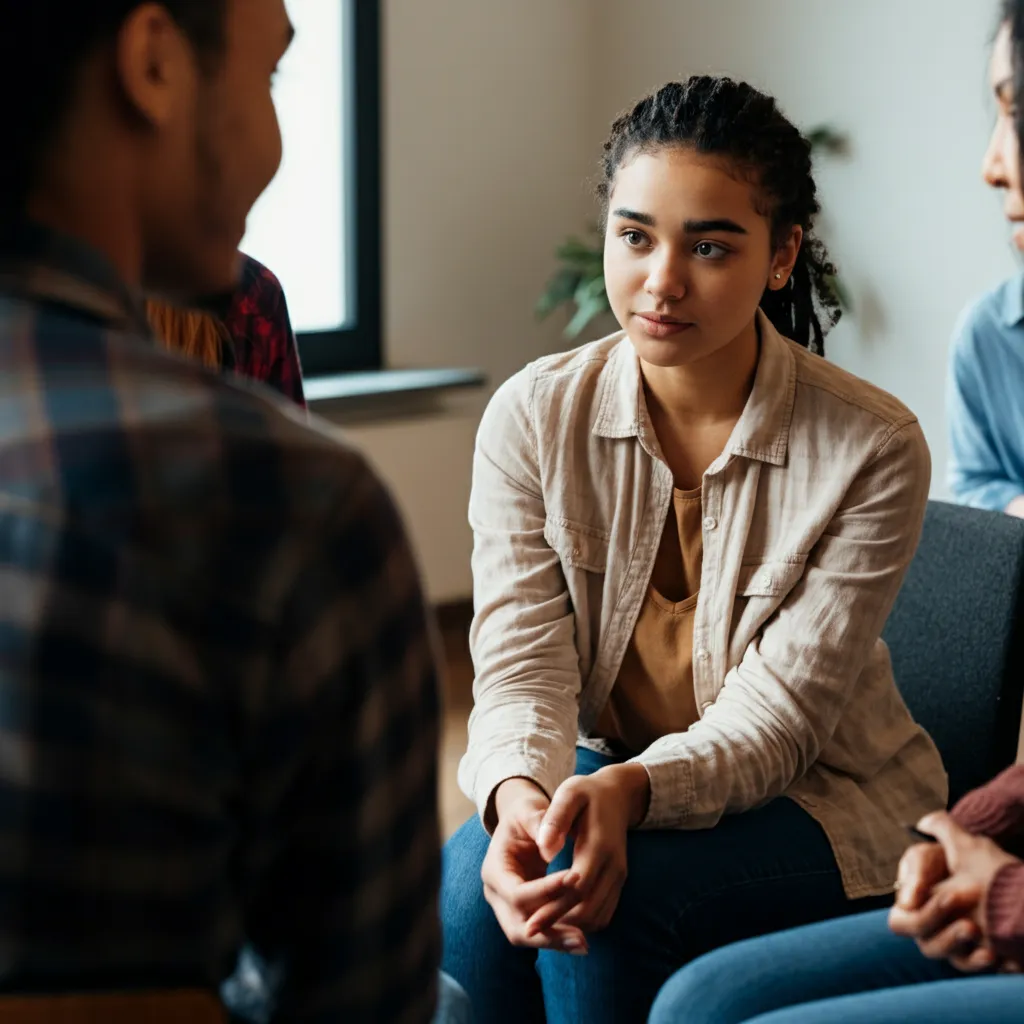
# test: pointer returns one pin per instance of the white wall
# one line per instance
(486, 151)
(496, 111)
(915, 232)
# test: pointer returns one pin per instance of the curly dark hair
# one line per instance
(43, 44)
(720, 117)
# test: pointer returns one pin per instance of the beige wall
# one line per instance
(486, 151)
(496, 110)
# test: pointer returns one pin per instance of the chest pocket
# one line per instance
(760, 589)
(578, 547)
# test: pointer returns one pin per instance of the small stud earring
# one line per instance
(778, 277)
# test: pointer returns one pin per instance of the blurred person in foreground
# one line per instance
(218, 699)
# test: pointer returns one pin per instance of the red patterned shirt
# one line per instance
(264, 346)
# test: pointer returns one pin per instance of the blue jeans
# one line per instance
(853, 971)
(687, 893)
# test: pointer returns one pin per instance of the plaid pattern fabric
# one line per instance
(264, 346)
(218, 697)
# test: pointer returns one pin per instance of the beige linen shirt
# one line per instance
(811, 515)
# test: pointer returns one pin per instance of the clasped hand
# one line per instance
(942, 892)
(558, 910)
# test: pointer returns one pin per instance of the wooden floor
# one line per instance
(458, 673)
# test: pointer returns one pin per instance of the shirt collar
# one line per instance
(46, 266)
(1013, 302)
(762, 432)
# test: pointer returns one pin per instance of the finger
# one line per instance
(921, 868)
(949, 834)
(563, 939)
(525, 895)
(587, 913)
(982, 959)
(568, 803)
(946, 905)
(602, 916)
(552, 912)
(589, 862)
(959, 939)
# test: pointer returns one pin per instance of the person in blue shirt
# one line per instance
(985, 399)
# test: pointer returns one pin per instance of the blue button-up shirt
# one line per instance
(985, 400)
(218, 700)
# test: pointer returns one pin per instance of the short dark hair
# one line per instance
(720, 117)
(43, 44)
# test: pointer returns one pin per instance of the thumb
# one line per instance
(949, 834)
(568, 803)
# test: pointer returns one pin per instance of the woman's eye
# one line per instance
(634, 239)
(710, 250)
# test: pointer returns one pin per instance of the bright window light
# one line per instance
(299, 227)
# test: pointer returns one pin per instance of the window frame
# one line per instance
(358, 346)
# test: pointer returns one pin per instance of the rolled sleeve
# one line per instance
(527, 681)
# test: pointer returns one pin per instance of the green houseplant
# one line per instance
(579, 280)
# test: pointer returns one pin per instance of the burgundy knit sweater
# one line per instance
(997, 811)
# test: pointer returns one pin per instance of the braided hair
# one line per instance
(720, 117)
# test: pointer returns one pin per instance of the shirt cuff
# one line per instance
(672, 792)
(498, 769)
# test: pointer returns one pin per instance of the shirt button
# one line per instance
(767, 581)
(710, 523)
(703, 654)
(575, 552)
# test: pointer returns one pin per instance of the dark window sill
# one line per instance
(369, 387)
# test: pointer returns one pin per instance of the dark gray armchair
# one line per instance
(957, 642)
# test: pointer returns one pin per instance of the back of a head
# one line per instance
(43, 47)
(164, 109)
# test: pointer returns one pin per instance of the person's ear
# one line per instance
(156, 64)
(785, 258)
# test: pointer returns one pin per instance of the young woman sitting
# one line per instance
(687, 539)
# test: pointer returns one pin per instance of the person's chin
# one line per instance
(678, 351)
(188, 279)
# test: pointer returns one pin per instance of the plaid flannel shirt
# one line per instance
(263, 342)
(218, 697)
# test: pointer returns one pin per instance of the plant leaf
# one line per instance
(588, 289)
(560, 289)
(829, 139)
(842, 296)
(580, 255)
(585, 313)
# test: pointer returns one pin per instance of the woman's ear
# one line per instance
(784, 259)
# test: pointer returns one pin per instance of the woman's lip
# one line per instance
(1017, 234)
(662, 328)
